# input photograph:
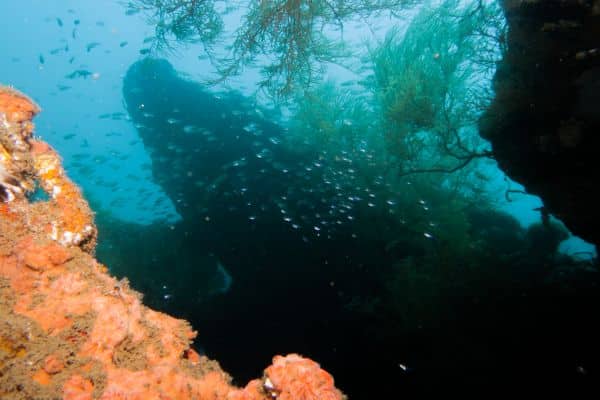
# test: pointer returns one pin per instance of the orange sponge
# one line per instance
(70, 330)
(16, 106)
(295, 377)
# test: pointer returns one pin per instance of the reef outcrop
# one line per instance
(25, 163)
(544, 121)
(70, 330)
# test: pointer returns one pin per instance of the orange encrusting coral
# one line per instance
(295, 377)
(16, 106)
(25, 160)
(74, 224)
(69, 330)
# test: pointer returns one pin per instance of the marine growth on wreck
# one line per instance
(335, 190)
(72, 331)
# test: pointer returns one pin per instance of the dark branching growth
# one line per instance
(292, 34)
(286, 38)
(188, 21)
(286, 32)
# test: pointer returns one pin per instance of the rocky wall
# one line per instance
(544, 124)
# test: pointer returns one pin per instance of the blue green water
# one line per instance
(279, 228)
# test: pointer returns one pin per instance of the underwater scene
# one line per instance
(299, 199)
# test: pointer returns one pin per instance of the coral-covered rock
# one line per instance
(254, 390)
(295, 377)
(69, 330)
(24, 161)
(16, 106)
(78, 388)
(40, 257)
(73, 224)
(53, 365)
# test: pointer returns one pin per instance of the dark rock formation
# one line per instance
(544, 123)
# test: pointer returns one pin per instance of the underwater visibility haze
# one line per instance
(324, 178)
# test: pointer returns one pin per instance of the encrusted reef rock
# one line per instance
(68, 329)
(24, 162)
(544, 123)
